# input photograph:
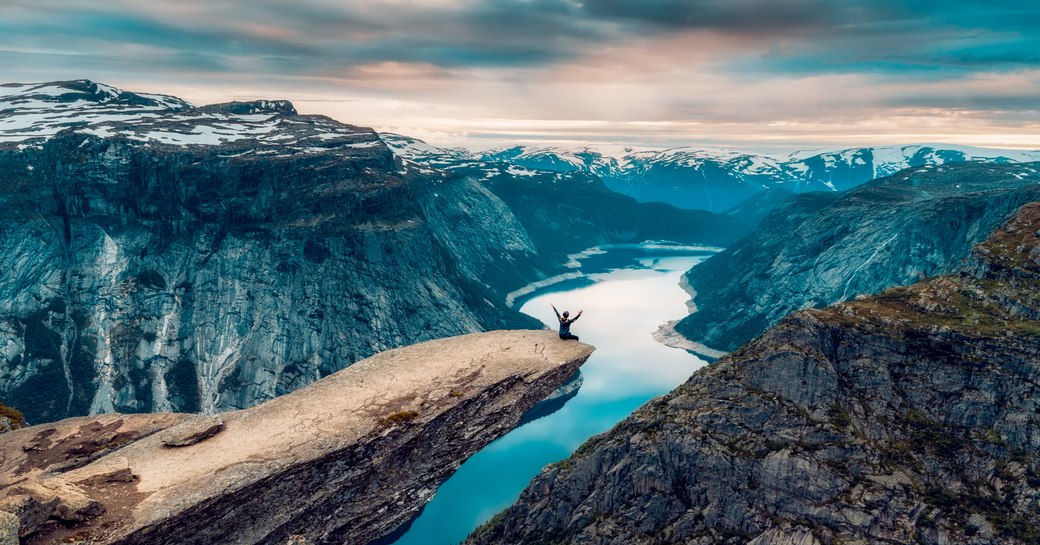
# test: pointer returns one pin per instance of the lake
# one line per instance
(626, 293)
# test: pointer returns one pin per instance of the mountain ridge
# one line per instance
(718, 179)
(818, 249)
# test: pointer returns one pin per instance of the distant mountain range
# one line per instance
(718, 180)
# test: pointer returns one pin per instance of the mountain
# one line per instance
(166, 257)
(205, 259)
(822, 248)
(558, 159)
(719, 179)
(907, 417)
(565, 211)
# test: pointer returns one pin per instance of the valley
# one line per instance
(240, 278)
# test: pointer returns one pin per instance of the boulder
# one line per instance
(32, 511)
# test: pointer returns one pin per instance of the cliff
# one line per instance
(344, 460)
(166, 257)
(821, 248)
(907, 417)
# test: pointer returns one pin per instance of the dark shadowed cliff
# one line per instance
(908, 417)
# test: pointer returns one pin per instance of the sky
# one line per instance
(759, 75)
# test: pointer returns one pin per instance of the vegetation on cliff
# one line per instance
(13, 416)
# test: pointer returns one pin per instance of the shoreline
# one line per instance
(668, 336)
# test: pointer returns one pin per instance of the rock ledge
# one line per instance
(346, 459)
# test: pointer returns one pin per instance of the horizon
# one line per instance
(765, 77)
(614, 149)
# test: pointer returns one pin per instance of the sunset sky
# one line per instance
(752, 74)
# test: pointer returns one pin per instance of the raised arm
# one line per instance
(556, 311)
(576, 316)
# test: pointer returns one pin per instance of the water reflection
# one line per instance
(631, 294)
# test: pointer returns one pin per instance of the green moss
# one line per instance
(400, 417)
(932, 435)
(13, 414)
(974, 308)
(492, 524)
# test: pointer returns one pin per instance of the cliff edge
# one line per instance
(344, 460)
(907, 417)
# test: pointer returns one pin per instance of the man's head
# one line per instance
(566, 314)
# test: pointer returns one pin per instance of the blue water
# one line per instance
(631, 293)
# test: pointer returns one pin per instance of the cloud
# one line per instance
(654, 67)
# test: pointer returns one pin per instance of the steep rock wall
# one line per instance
(152, 278)
(820, 249)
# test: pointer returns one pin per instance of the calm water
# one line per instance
(627, 294)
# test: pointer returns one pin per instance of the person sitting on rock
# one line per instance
(565, 323)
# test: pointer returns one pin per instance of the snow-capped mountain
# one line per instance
(422, 155)
(718, 179)
(557, 159)
(39, 111)
(167, 257)
(30, 114)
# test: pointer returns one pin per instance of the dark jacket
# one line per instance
(565, 323)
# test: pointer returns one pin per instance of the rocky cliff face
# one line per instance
(168, 258)
(908, 417)
(821, 248)
(344, 460)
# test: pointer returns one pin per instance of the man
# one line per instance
(565, 323)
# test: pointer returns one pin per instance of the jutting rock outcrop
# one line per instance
(344, 460)
(907, 417)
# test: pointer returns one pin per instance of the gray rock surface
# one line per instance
(907, 417)
(344, 460)
(819, 249)
(9, 526)
(32, 510)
